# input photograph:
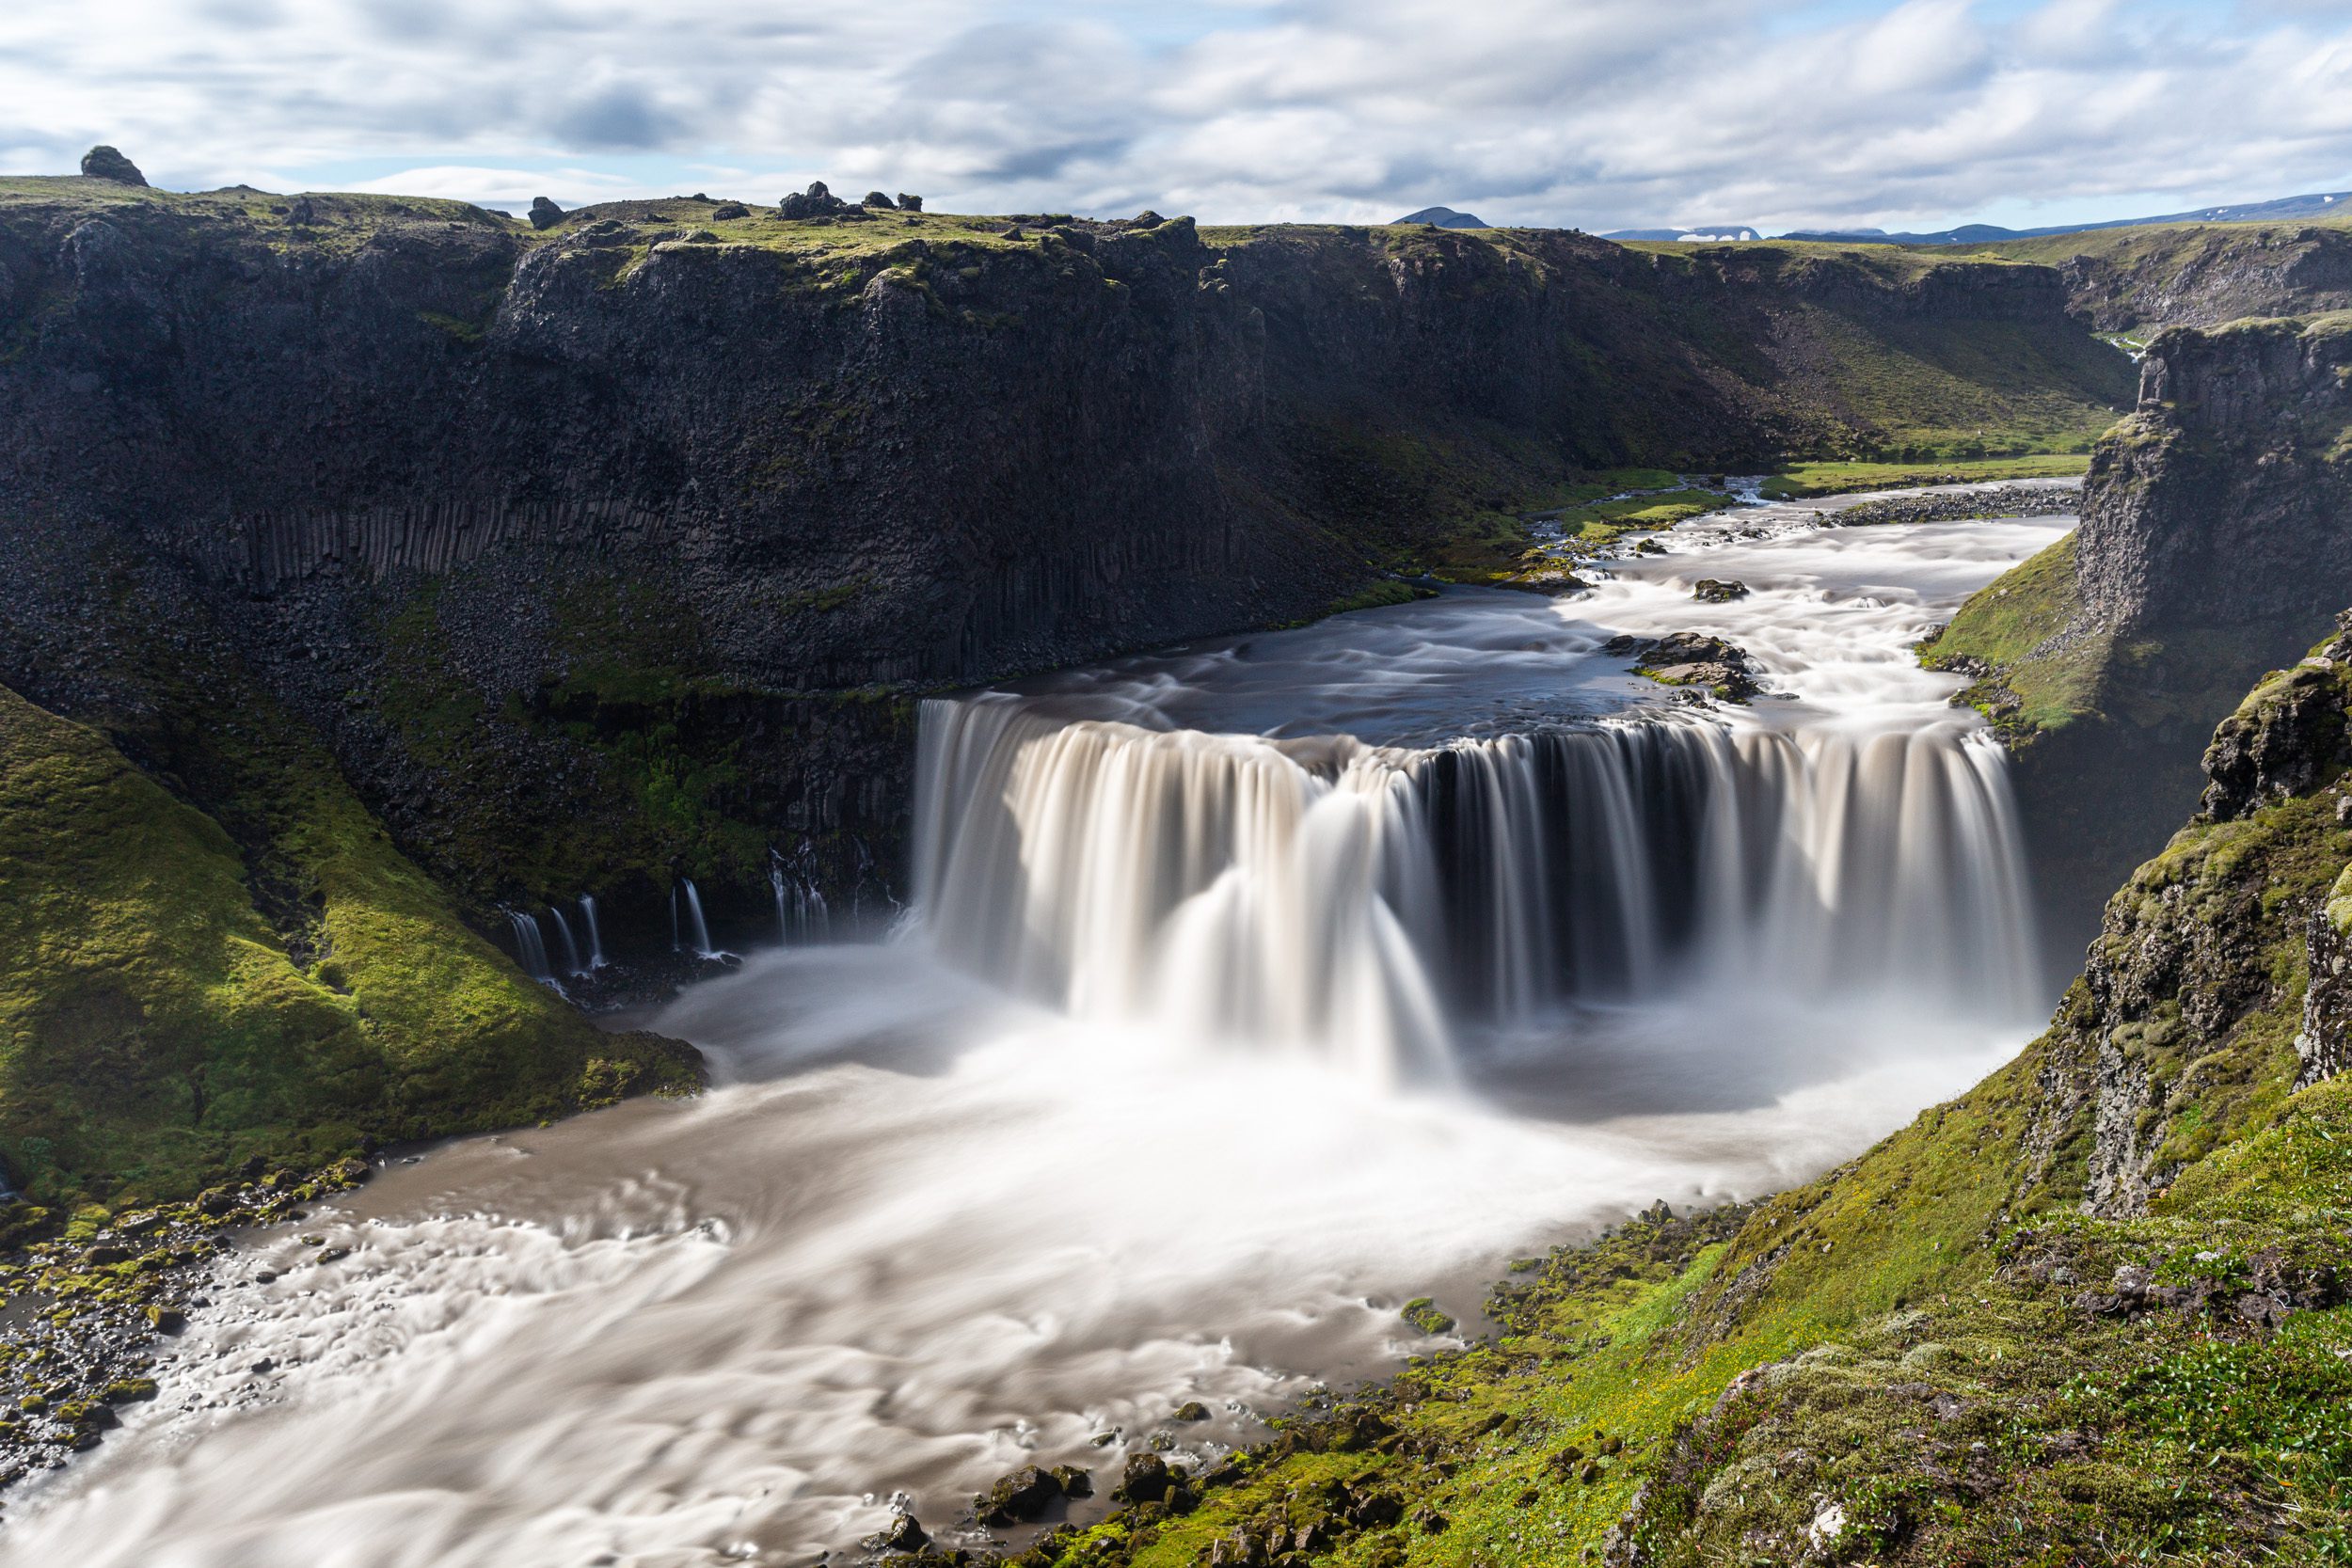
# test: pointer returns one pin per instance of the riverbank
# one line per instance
(83, 1312)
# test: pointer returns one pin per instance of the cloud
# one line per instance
(1597, 113)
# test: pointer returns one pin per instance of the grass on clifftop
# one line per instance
(2008, 635)
(1800, 480)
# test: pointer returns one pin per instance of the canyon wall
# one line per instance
(2216, 544)
(614, 553)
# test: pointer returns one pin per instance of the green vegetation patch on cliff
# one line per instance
(1800, 481)
(2012, 636)
(158, 1027)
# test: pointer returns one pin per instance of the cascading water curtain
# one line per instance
(1361, 902)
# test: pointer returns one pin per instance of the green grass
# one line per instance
(157, 1026)
(2004, 627)
(1800, 481)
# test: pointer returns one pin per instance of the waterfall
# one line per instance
(530, 948)
(1365, 904)
(694, 926)
(571, 949)
(802, 914)
(596, 940)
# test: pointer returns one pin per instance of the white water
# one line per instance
(596, 939)
(694, 929)
(929, 1230)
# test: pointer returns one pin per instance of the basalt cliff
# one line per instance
(2216, 544)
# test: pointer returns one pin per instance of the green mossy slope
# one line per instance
(2093, 1312)
(156, 1028)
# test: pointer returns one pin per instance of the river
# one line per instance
(1252, 988)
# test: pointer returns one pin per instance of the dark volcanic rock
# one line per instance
(1145, 1480)
(1018, 1498)
(545, 214)
(1717, 591)
(105, 163)
(910, 203)
(1690, 659)
(2284, 740)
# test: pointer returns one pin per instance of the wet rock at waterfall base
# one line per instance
(1019, 1498)
(903, 1534)
(1191, 1410)
(1718, 591)
(1144, 1481)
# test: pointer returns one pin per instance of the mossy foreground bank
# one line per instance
(2092, 1312)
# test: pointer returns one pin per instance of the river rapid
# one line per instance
(1252, 988)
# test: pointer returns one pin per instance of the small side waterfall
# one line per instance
(802, 914)
(572, 964)
(694, 930)
(530, 948)
(596, 939)
(1365, 903)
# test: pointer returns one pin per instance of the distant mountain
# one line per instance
(2285, 208)
(1718, 233)
(1444, 217)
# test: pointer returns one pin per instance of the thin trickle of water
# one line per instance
(572, 964)
(530, 948)
(802, 914)
(695, 929)
(596, 939)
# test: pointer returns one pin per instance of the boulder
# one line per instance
(105, 163)
(1718, 591)
(910, 203)
(877, 199)
(815, 201)
(726, 210)
(1144, 1481)
(1191, 1410)
(1018, 1498)
(545, 214)
(902, 1534)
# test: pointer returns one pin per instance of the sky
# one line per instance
(1592, 114)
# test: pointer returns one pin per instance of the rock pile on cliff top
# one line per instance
(105, 163)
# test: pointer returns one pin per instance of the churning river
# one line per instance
(1250, 990)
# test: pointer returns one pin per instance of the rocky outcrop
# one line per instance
(2215, 544)
(1952, 506)
(105, 163)
(2220, 968)
(2203, 274)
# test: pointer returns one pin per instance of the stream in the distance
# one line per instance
(1220, 1034)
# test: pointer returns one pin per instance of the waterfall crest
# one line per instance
(1367, 904)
